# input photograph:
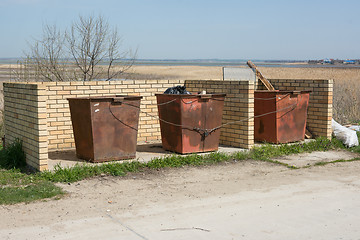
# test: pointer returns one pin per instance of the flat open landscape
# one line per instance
(237, 200)
(7, 71)
(214, 73)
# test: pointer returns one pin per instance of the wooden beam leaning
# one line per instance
(267, 84)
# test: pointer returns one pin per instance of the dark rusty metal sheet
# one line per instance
(287, 123)
(105, 128)
(185, 119)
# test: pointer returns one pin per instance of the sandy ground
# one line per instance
(242, 200)
(214, 73)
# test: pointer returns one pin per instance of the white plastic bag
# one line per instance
(355, 127)
(344, 134)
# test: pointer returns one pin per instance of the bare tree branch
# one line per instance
(90, 50)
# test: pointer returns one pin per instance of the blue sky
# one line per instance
(199, 29)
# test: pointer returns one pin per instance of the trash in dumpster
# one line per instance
(177, 90)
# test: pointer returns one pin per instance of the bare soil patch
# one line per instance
(246, 199)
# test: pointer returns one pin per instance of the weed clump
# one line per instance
(13, 156)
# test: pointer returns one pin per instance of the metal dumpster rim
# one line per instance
(97, 98)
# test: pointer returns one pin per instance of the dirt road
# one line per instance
(242, 200)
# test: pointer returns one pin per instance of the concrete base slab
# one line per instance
(147, 151)
(144, 153)
(310, 159)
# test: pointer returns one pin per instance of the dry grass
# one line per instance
(346, 99)
(346, 81)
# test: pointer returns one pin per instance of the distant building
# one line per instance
(334, 61)
(328, 61)
(348, 61)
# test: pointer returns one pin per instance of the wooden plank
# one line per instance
(308, 134)
(267, 84)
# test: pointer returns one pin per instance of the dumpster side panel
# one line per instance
(115, 129)
(291, 121)
(82, 127)
(169, 110)
(192, 116)
(213, 110)
(265, 125)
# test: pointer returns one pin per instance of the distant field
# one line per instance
(346, 81)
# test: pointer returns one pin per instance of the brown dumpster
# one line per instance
(105, 128)
(280, 116)
(189, 122)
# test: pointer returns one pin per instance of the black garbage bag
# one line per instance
(177, 90)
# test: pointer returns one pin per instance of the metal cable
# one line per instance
(121, 120)
(206, 132)
(261, 115)
(160, 104)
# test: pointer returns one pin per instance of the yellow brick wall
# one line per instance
(25, 119)
(59, 126)
(320, 102)
(238, 109)
(38, 113)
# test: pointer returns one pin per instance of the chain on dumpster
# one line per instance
(206, 132)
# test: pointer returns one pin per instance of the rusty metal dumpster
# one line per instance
(280, 116)
(189, 123)
(105, 128)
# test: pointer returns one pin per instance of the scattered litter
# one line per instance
(344, 134)
(177, 90)
(355, 128)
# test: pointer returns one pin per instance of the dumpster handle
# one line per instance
(118, 99)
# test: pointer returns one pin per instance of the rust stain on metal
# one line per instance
(186, 119)
(288, 123)
(105, 128)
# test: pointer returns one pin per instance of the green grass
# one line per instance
(12, 156)
(16, 186)
(263, 153)
(28, 193)
(336, 161)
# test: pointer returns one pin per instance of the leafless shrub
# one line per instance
(90, 50)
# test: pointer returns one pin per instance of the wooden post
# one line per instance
(260, 76)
